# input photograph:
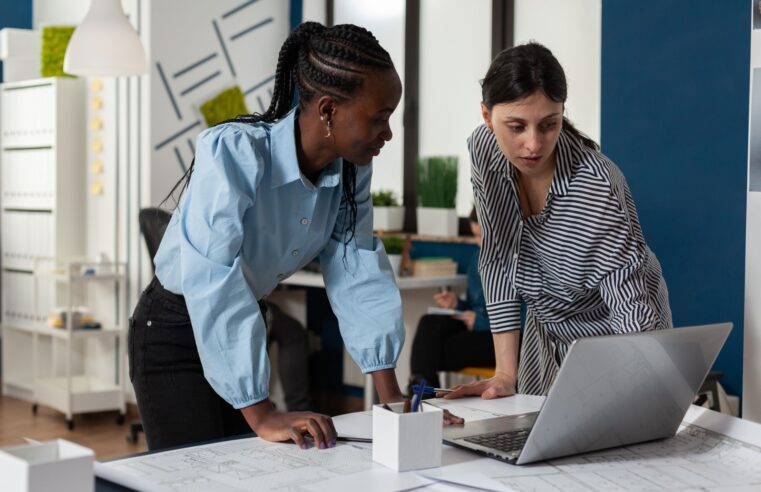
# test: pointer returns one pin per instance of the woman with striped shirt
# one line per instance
(560, 230)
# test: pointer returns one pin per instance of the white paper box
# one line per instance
(57, 465)
(407, 441)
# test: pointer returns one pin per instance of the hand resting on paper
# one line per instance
(495, 387)
(272, 425)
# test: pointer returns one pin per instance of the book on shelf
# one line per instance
(434, 267)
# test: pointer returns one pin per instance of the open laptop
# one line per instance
(610, 391)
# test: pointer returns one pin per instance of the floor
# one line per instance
(97, 431)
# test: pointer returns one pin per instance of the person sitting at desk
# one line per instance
(265, 194)
(452, 342)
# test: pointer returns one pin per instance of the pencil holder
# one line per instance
(407, 441)
(53, 465)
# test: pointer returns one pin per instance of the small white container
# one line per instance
(51, 465)
(388, 218)
(407, 441)
(437, 221)
(396, 263)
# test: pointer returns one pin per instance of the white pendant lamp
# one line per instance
(105, 44)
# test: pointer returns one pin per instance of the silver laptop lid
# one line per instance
(621, 389)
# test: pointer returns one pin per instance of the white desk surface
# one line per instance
(313, 279)
(716, 452)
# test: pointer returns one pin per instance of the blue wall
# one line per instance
(675, 78)
(16, 13)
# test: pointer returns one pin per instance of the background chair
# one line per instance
(153, 222)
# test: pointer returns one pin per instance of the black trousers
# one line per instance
(445, 344)
(177, 405)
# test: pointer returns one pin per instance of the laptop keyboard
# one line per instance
(503, 441)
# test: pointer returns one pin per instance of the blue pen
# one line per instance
(429, 390)
(418, 395)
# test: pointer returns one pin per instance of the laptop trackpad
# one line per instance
(488, 426)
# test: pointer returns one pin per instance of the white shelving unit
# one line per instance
(42, 210)
(79, 388)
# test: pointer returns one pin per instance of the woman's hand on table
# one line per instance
(495, 387)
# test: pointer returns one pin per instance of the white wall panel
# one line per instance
(572, 30)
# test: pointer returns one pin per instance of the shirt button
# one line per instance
(304, 221)
(280, 276)
(295, 252)
(149, 323)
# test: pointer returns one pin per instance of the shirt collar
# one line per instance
(285, 162)
(567, 158)
(331, 175)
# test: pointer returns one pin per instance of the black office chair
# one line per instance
(153, 222)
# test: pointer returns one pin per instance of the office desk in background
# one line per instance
(712, 451)
(417, 294)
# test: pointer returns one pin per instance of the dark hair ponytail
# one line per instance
(522, 70)
(317, 60)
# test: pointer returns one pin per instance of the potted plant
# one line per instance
(437, 191)
(394, 246)
(387, 214)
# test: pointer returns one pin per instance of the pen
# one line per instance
(430, 389)
(406, 408)
(418, 395)
(353, 439)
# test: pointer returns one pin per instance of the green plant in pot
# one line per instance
(388, 215)
(394, 246)
(437, 195)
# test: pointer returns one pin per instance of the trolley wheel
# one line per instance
(120, 419)
(132, 437)
(35, 407)
(70, 424)
(135, 428)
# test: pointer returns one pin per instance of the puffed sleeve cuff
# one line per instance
(369, 369)
(247, 401)
(362, 291)
(504, 315)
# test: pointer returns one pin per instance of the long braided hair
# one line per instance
(316, 60)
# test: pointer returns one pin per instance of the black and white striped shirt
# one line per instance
(581, 265)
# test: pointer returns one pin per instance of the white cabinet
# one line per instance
(42, 212)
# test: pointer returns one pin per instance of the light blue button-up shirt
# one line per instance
(249, 219)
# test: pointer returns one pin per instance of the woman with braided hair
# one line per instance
(265, 195)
